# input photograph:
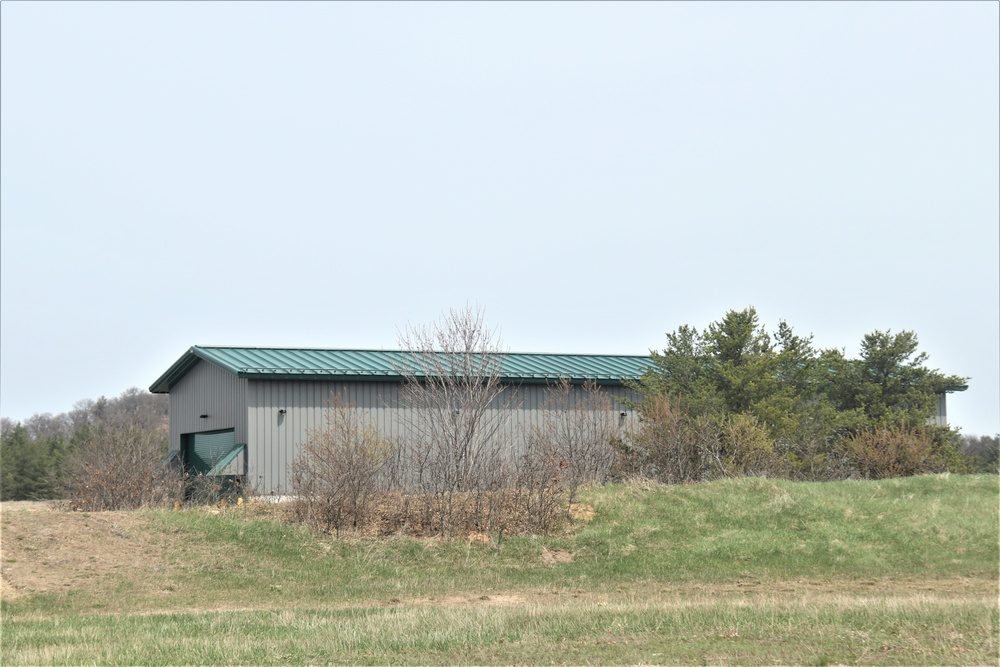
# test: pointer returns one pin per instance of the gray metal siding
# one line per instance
(274, 439)
(940, 417)
(208, 390)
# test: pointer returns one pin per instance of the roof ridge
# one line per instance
(364, 349)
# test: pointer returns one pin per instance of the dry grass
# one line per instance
(538, 628)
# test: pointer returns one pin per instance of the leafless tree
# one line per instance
(458, 440)
(47, 425)
(983, 452)
(134, 405)
(140, 407)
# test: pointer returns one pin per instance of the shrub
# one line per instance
(673, 447)
(668, 445)
(348, 477)
(340, 470)
(575, 437)
(744, 447)
(539, 488)
(892, 451)
(120, 465)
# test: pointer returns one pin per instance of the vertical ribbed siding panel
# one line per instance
(275, 440)
(274, 424)
(940, 416)
(208, 390)
(266, 428)
(290, 423)
(254, 432)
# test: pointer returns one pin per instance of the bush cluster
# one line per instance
(119, 466)
(349, 477)
(731, 400)
(734, 399)
(673, 447)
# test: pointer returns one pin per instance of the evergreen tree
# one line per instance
(28, 465)
(808, 400)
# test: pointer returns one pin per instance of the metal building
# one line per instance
(248, 411)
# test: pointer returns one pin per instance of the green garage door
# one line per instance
(203, 450)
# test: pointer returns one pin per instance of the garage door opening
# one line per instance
(214, 454)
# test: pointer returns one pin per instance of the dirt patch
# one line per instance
(44, 549)
(556, 556)
(581, 512)
(487, 600)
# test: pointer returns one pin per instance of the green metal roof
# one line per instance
(269, 363)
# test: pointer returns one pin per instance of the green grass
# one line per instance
(742, 571)
(776, 529)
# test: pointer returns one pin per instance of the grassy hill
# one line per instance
(740, 571)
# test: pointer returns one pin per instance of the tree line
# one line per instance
(51, 456)
(730, 399)
(734, 398)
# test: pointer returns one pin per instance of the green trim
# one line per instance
(226, 459)
(173, 374)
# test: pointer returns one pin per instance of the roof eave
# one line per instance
(395, 377)
(188, 360)
(173, 374)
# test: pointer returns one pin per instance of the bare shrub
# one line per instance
(539, 486)
(457, 436)
(892, 451)
(813, 457)
(454, 471)
(120, 465)
(340, 470)
(667, 446)
(673, 447)
(576, 437)
(400, 513)
(211, 489)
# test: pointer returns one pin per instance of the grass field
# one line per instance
(745, 571)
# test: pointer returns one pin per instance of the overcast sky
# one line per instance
(591, 175)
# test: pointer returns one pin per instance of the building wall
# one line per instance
(275, 439)
(209, 390)
(940, 417)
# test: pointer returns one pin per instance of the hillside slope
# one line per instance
(738, 564)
